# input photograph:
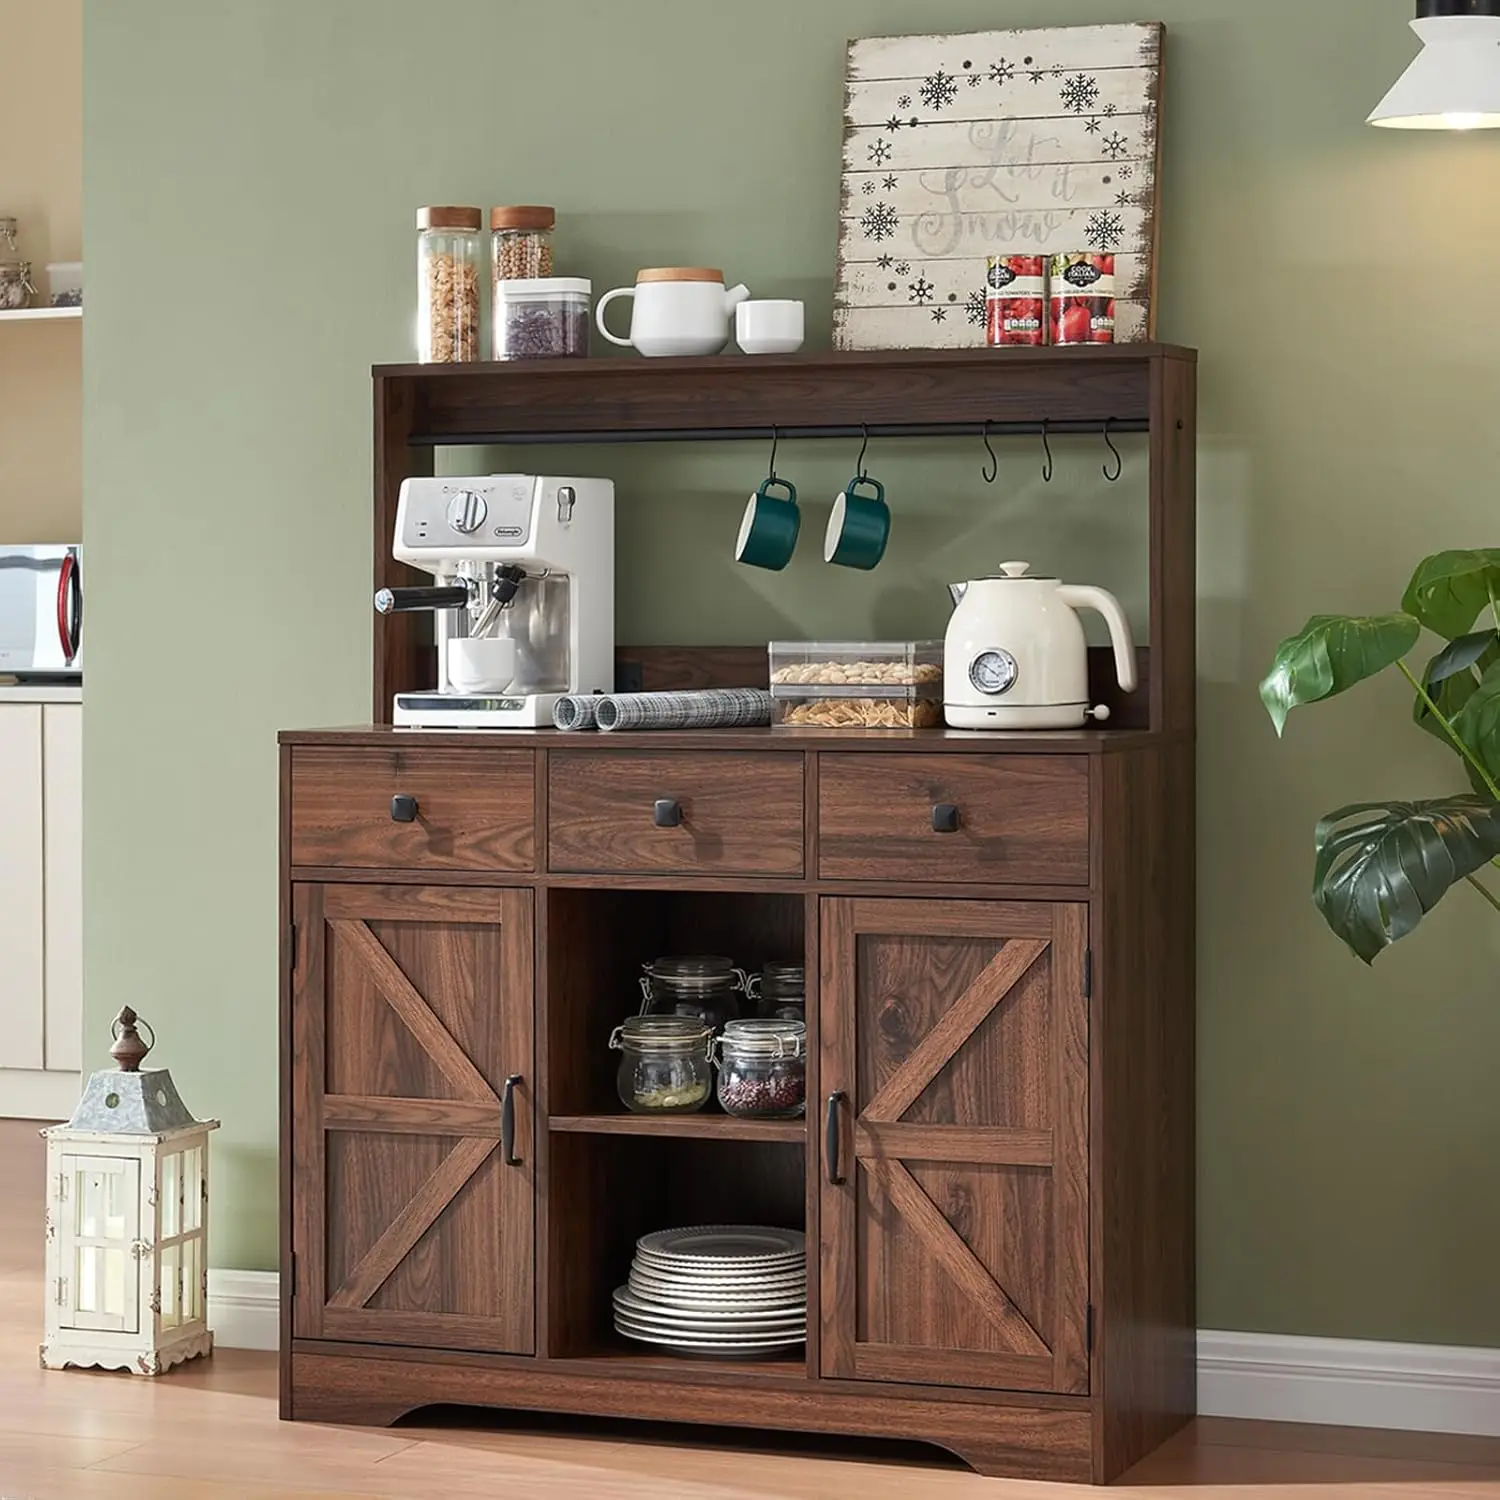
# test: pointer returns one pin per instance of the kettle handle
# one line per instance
(1085, 596)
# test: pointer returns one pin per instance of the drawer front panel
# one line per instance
(1020, 819)
(474, 811)
(737, 814)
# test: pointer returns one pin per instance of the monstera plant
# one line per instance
(1382, 866)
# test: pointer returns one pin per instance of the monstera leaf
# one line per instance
(1452, 678)
(1449, 589)
(1382, 866)
(1330, 655)
(1477, 724)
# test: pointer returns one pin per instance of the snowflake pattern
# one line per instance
(1122, 200)
(880, 152)
(1094, 126)
(920, 290)
(1080, 93)
(902, 268)
(904, 102)
(879, 221)
(1036, 75)
(975, 79)
(1002, 71)
(1058, 70)
(1111, 109)
(939, 314)
(885, 261)
(894, 123)
(868, 185)
(939, 90)
(1105, 230)
(974, 308)
(889, 183)
(1125, 172)
(1114, 146)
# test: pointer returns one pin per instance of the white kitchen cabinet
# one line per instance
(41, 897)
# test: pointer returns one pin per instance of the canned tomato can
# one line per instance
(1082, 298)
(1015, 300)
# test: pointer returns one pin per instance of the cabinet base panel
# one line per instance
(1018, 1442)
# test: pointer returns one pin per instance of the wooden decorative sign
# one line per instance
(957, 148)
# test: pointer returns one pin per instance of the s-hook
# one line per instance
(771, 470)
(1119, 460)
(991, 471)
(1047, 449)
(859, 463)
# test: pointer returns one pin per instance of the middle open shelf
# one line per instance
(708, 1127)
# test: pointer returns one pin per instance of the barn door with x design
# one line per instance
(954, 1233)
(412, 1183)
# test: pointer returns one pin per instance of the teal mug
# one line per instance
(859, 527)
(768, 532)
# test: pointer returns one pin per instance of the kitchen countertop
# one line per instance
(23, 692)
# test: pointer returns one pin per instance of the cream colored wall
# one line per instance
(41, 184)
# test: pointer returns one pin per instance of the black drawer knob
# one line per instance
(944, 818)
(403, 809)
(667, 813)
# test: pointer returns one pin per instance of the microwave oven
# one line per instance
(41, 612)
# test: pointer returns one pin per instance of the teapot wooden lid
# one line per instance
(678, 273)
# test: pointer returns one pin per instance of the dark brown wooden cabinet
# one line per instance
(955, 1185)
(411, 1022)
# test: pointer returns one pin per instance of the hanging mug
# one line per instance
(859, 527)
(768, 530)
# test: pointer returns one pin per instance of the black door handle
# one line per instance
(944, 817)
(508, 1122)
(667, 813)
(831, 1139)
(403, 809)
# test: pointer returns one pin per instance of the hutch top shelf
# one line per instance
(910, 392)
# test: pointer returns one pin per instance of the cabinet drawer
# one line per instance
(740, 814)
(1022, 819)
(474, 812)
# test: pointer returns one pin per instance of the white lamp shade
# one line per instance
(1454, 81)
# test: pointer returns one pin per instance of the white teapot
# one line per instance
(1015, 655)
(675, 310)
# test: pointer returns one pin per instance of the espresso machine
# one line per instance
(524, 595)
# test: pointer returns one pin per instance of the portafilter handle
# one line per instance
(400, 601)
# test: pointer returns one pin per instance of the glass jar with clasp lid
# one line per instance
(664, 1064)
(705, 986)
(780, 992)
(16, 290)
(762, 1068)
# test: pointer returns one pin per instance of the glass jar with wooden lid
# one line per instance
(448, 256)
(521, 241)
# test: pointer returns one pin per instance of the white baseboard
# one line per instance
(1349, 1382)
(244, 1309)
(1262, 1376)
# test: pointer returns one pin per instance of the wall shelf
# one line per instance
(41, 314)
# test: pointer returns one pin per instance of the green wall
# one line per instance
(251, 172)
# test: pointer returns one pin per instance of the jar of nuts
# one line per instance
(857, 684)
(522, 241)
(448, 252)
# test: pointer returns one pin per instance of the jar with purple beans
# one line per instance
(762, 1068)
(543, 318)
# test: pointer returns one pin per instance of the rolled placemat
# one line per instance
(576, 711)
(707, 708)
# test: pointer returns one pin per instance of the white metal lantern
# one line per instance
(127, 1221)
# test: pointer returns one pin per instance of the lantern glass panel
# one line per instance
(192, 1188)
(192, 1274)
(100, 1279)
(105, 1200)
(171, 1193)
(171, 1298)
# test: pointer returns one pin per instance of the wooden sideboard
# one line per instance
(1000, 1259)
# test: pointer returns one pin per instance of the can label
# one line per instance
(1015, 300)
(1082, 298)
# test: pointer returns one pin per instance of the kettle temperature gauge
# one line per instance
(993, 672)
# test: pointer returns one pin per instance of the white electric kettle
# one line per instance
(1015, 656)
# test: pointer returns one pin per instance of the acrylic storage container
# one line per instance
(762, 1069)
(65, 283)
(540, 319)
(664, 1064)
(857, 684)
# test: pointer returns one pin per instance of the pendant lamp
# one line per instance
(1454, 81)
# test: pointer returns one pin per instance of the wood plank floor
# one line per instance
(209, 1431)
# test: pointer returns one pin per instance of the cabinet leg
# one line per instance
(345, 1410)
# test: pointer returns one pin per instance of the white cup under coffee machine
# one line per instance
(524, 595)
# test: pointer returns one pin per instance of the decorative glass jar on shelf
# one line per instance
(780, 992)
(706, 986)
(762, 1068)
(664, 1064)
(448, 257)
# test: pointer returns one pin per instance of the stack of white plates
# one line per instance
(726, 1290)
